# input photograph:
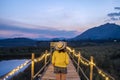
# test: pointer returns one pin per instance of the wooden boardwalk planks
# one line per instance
(71, 75)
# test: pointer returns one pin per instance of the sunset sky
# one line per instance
(55, 18)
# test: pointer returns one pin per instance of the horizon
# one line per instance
(55, 19)
(60, 38)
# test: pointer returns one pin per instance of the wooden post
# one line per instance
(73, 53)
(78, 63)
(32, 66)
(46, 56)
(91, 67)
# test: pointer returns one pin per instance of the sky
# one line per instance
(55, 18)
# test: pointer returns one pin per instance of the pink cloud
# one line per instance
(10, 29)
(12, 34)
(22, 24)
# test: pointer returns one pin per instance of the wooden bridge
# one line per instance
(71, 75)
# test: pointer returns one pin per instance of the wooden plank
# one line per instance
(71, 75)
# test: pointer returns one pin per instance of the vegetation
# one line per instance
(21, 52)
(106, 56)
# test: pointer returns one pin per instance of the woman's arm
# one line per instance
(67, 59)
(53, 58)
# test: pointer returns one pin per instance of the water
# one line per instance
(8, 65)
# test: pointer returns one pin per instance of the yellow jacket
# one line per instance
(60, 59)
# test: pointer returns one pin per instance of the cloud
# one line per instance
(114, 19)
(13, 34)
(117, 8)
(34, 33)
(114, 14)
(21, 24)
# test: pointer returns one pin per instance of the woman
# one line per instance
(60, 60)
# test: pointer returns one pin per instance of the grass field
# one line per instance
(106, 56)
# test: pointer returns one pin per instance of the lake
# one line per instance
(8, 65)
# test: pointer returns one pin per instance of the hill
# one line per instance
(108, 31)
(15, 42)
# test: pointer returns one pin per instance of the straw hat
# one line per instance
(60, 45)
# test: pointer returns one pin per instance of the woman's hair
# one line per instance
(62, 50)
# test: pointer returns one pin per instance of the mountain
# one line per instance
(108, 31)
(15, 42)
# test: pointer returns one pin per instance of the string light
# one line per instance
(77, 55)
(82, 60)
(69, 49)
(106, 78)
(24, 64)
(91, 63)
(16, 69)
(103, 74)
(42, 57)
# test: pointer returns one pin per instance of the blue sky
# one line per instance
(65, 18)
